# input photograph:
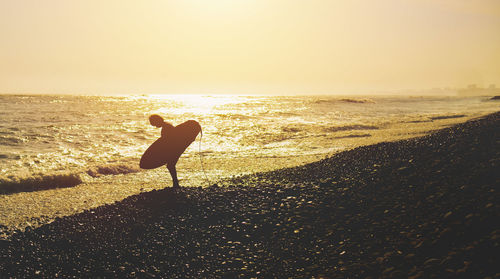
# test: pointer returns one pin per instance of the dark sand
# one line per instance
(420, 208)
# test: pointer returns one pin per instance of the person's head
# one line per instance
(156, 120)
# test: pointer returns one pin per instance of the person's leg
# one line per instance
(173, 173)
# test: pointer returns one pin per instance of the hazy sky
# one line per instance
(246, 46)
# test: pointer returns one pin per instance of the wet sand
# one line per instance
(417, 208)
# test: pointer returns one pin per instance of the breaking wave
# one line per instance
(10, 185)
(439, 117)
(291, 129)
(11, 141)
(350, 128)
(418, 121)
(357, 101)
(353, 136)
(112, 170)
(344, 100)
(38, 183)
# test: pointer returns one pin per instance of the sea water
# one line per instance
(94, 143)
(92, 136)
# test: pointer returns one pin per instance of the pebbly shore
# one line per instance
(427, 207)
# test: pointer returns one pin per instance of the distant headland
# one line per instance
(474, 90)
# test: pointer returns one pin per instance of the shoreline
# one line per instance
(19, 211)
(417, 207)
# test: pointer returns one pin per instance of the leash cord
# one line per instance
(201, 158)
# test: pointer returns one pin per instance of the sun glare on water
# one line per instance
(194, 104)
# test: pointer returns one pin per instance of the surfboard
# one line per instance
(170, 148)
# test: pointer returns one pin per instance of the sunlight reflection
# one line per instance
(195, 104)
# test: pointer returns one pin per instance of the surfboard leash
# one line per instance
(201, 158)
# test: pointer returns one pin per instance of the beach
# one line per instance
(419, 208)
(63, 154)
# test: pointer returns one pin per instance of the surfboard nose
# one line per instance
(147, 161)
(142, 163)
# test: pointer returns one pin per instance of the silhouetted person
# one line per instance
(173, 142)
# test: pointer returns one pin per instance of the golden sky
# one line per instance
(246, 46)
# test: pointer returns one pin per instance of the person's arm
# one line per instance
(164, 131)
(165, 128)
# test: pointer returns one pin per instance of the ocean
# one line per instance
(84, 151)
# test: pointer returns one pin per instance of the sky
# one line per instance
(247, 46)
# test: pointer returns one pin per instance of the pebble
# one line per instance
(335, 218)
